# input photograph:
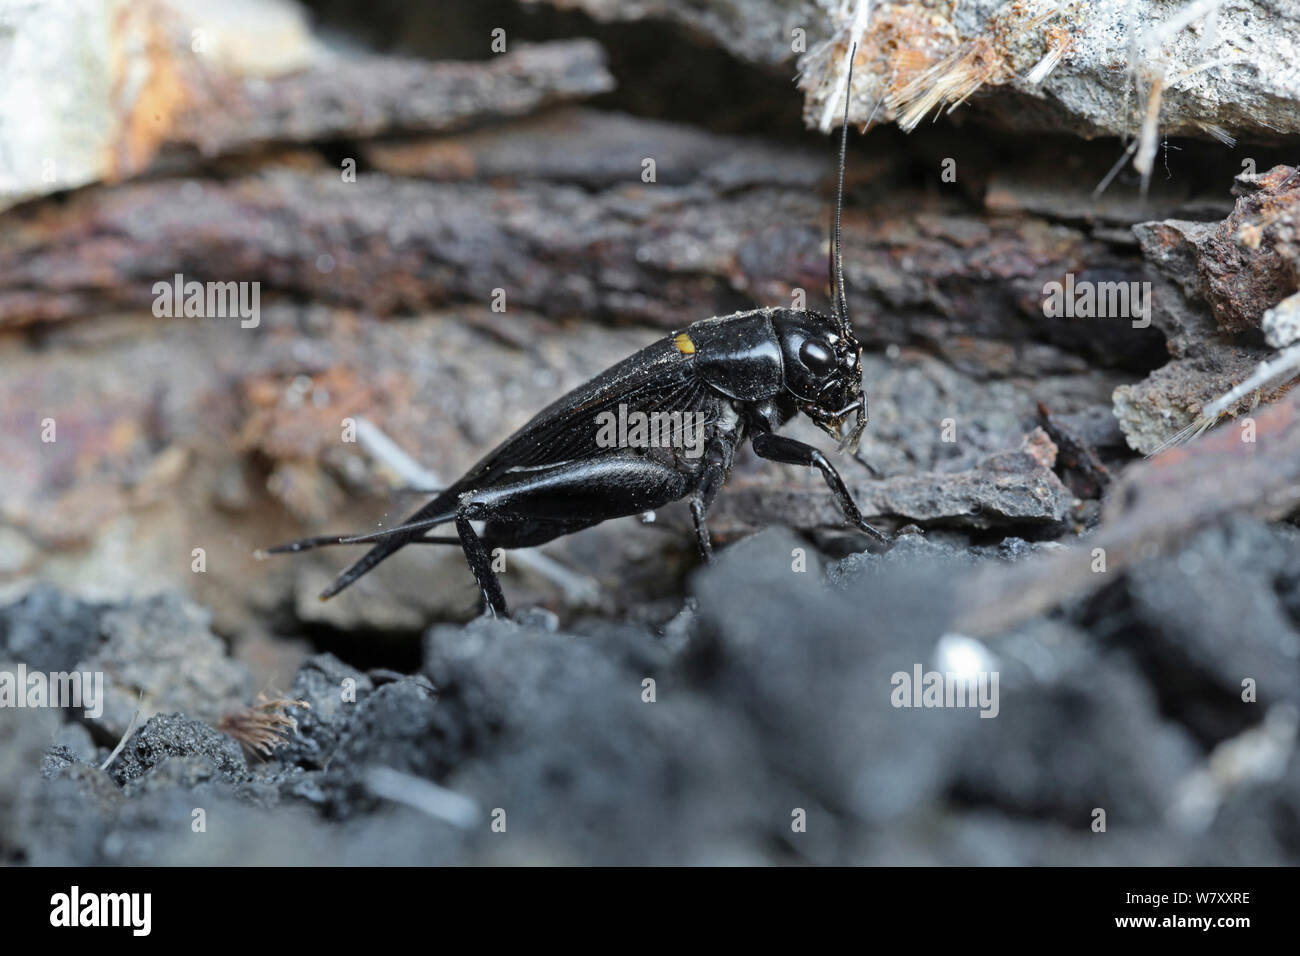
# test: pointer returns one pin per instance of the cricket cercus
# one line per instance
(743, 375)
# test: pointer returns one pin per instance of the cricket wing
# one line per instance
(659, 378)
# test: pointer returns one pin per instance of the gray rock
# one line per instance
(564, 742)
(78, 742)
(1254, 92)
(49, 630)
(323, 682)
(161, 645)
(192, 773)
(950, 550)
(1006, 490)
(25, 735)
(164, 647)
(401, 726)
(773, 702)
(812, 670)
(1212, 285)
(1090, 737)
(1211, 617)
(1257, 823)
(758, 31)
(57, 759)
(176, 735)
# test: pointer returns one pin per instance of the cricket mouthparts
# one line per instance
(851, 429)
(850, 436)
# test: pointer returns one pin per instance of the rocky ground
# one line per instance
(381, 171)
(771, 696)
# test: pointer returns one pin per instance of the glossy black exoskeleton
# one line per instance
(742, 375)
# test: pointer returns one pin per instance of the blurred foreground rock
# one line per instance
(155, 655)
(763, 727)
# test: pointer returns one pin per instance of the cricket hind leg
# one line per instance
(388, 543)
(518, 533)
(582, 493)
(334, 540)
(538, 506)
(384, 543)
(791, 452)
(480, 565)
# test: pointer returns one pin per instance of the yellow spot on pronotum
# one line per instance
(684, 343)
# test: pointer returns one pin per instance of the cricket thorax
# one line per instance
(737, 355)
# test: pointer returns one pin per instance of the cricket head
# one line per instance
(822, 360)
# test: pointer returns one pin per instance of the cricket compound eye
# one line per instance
(817, 357)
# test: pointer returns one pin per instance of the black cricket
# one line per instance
(748, 373)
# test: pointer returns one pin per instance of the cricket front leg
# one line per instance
(775, 447)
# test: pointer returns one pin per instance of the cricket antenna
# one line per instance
(840, 304)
